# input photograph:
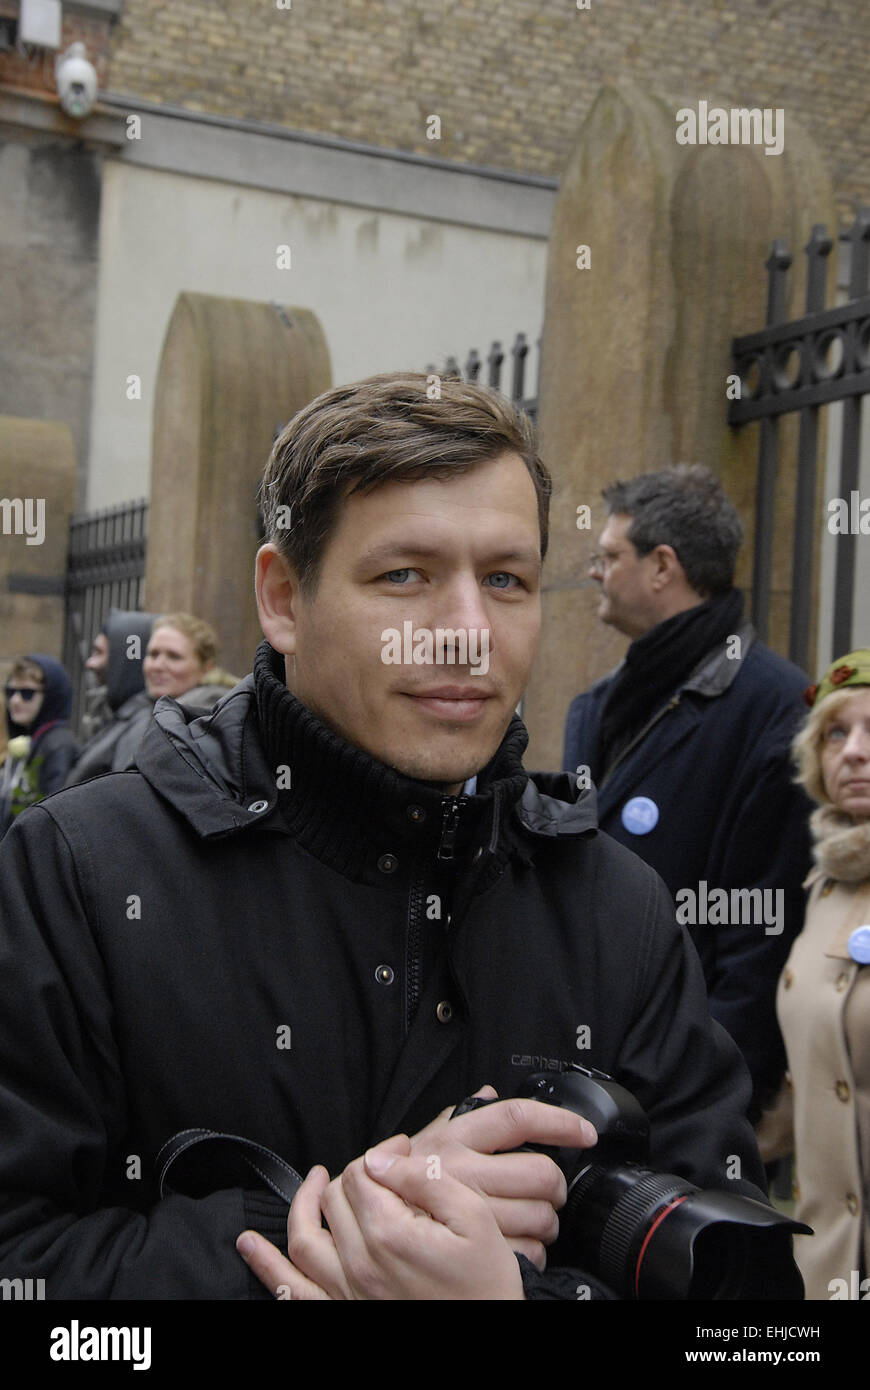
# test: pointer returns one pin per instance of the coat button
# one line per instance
(416, 814)
(388, 863)
(787, 979)
(843, 1092)
(852, 1203)
(257, 806)
(444, 1012)
(842, 981)
(385, 975)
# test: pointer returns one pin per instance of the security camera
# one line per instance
(76, 80)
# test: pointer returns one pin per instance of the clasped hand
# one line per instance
(436, 1216)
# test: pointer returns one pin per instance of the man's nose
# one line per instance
(463, 606)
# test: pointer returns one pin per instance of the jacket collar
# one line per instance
(717, 671)
(712, 676)
(222, 772)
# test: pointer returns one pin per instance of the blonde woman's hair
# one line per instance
(807, 745)
(200, 634)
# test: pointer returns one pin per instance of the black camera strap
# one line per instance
(220, 1160)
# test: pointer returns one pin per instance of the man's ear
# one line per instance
(666, 567)
(277, 590)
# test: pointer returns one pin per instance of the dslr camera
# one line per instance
(649, 1235)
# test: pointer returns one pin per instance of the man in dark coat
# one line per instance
(688, 743)
(337, 904)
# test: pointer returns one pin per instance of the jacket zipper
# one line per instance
(449, 825)
(450, 818)
(415, 914)
(672, 704)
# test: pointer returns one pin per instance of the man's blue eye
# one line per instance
(502, 574)
(391, 574)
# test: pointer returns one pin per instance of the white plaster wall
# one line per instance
(391, 291)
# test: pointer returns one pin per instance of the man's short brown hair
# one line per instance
(384, 429)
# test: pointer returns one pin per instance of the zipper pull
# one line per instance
(449, 826)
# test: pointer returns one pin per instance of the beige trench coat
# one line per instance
(823, 1005)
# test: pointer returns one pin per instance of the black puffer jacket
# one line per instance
(187, 945)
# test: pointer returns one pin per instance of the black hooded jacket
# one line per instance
(197, 943)
(113, 746)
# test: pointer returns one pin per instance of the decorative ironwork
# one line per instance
(799, 366)
(105, 569)
(495, 360)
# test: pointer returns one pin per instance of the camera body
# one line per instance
(76, 80)
(651, 1235)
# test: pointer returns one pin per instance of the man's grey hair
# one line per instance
(685, 507)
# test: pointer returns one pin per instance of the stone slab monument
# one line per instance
(232, 373)
(656, 261)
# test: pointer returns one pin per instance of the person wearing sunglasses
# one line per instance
(41, 747)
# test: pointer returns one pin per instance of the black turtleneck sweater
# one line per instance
(377, 811)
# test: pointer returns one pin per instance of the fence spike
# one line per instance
(776, 265)
(858, 237)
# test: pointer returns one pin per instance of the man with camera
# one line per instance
(336, 906)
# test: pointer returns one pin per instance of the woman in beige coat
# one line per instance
(823, 999)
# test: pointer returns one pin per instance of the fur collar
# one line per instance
(841, 846)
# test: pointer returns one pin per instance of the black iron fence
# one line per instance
(495, 361)
(105, 569)
(799, 366)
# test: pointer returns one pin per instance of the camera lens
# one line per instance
(655, 1236)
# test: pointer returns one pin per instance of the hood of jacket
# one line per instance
(213, 769)
(56, 702)
(124, 674)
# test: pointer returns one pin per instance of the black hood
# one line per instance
(214, 770)
(124, 674)
(56, 702)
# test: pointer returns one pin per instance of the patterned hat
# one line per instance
(853, 669)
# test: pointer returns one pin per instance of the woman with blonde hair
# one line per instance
(823, 998)
(179, 662)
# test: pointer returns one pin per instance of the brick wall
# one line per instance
(510, 79)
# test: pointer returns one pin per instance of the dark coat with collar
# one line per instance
(223, 967)
(715, 760)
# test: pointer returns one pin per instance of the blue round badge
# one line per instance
(859, 945)
(640, 815)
